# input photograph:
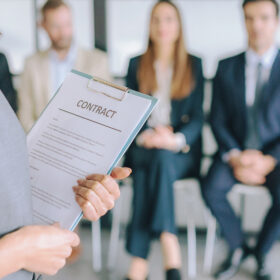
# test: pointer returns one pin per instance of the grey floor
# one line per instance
(82, 269)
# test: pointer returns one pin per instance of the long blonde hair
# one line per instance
(182, 80)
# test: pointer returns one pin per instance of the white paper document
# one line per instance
(85, 129)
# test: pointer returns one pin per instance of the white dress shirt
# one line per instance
(162, 113)
(252, 60)
(59, 68)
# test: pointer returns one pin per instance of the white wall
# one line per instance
(17, 26)
(213, 29)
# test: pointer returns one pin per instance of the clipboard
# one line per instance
(45, 131)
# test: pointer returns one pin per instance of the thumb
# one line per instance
(245, 160)
(75, 240)
(56, 224)
(70, 237)
(121, 172)
(161, 130)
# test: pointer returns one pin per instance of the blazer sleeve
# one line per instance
(26, 111)
(131, 76)
(192, 129)
(219, 118)
(273, 150)
(6, 84)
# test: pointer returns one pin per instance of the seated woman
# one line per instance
(169, 145)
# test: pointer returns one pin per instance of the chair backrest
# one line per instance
(250, 190)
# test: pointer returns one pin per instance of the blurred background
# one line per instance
(213, 29)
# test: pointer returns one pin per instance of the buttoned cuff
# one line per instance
(139, 139)
(181, 143)
(228, 155)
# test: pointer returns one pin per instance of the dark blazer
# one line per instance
(6, 82)
(229, 112)
(187, 113)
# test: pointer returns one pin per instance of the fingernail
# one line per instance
(128, 168)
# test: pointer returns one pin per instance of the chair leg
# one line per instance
(114, 237)
(210, 242)
(191, 250)
(242, 206)
(96, 246)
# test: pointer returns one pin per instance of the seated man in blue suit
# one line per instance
(245, 118)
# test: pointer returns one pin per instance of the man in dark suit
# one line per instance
(6, 85)
(245, 119)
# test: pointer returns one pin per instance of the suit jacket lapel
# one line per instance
(240, 86)
(45, 78)
(273, 81)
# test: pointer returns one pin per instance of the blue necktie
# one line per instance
(253, 140)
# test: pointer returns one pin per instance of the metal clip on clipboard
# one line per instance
(107, 88)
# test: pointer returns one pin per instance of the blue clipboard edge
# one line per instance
(154, 102)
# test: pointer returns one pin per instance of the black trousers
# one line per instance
(215, 187)
(154, 172)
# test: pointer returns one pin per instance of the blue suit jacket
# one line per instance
(229, 112)
(187, 113)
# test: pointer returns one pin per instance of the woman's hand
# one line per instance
(166, 138)
(162, 137)
(97, 193)
(39, 249)
(148, 139)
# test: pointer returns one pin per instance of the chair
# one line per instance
(114, 237)
(191, 227)
(96, 246)
(246, 190)
(116, 223)
(210, 241)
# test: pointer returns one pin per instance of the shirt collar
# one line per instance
(169, 70)
(71, 55)
(267, 59)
